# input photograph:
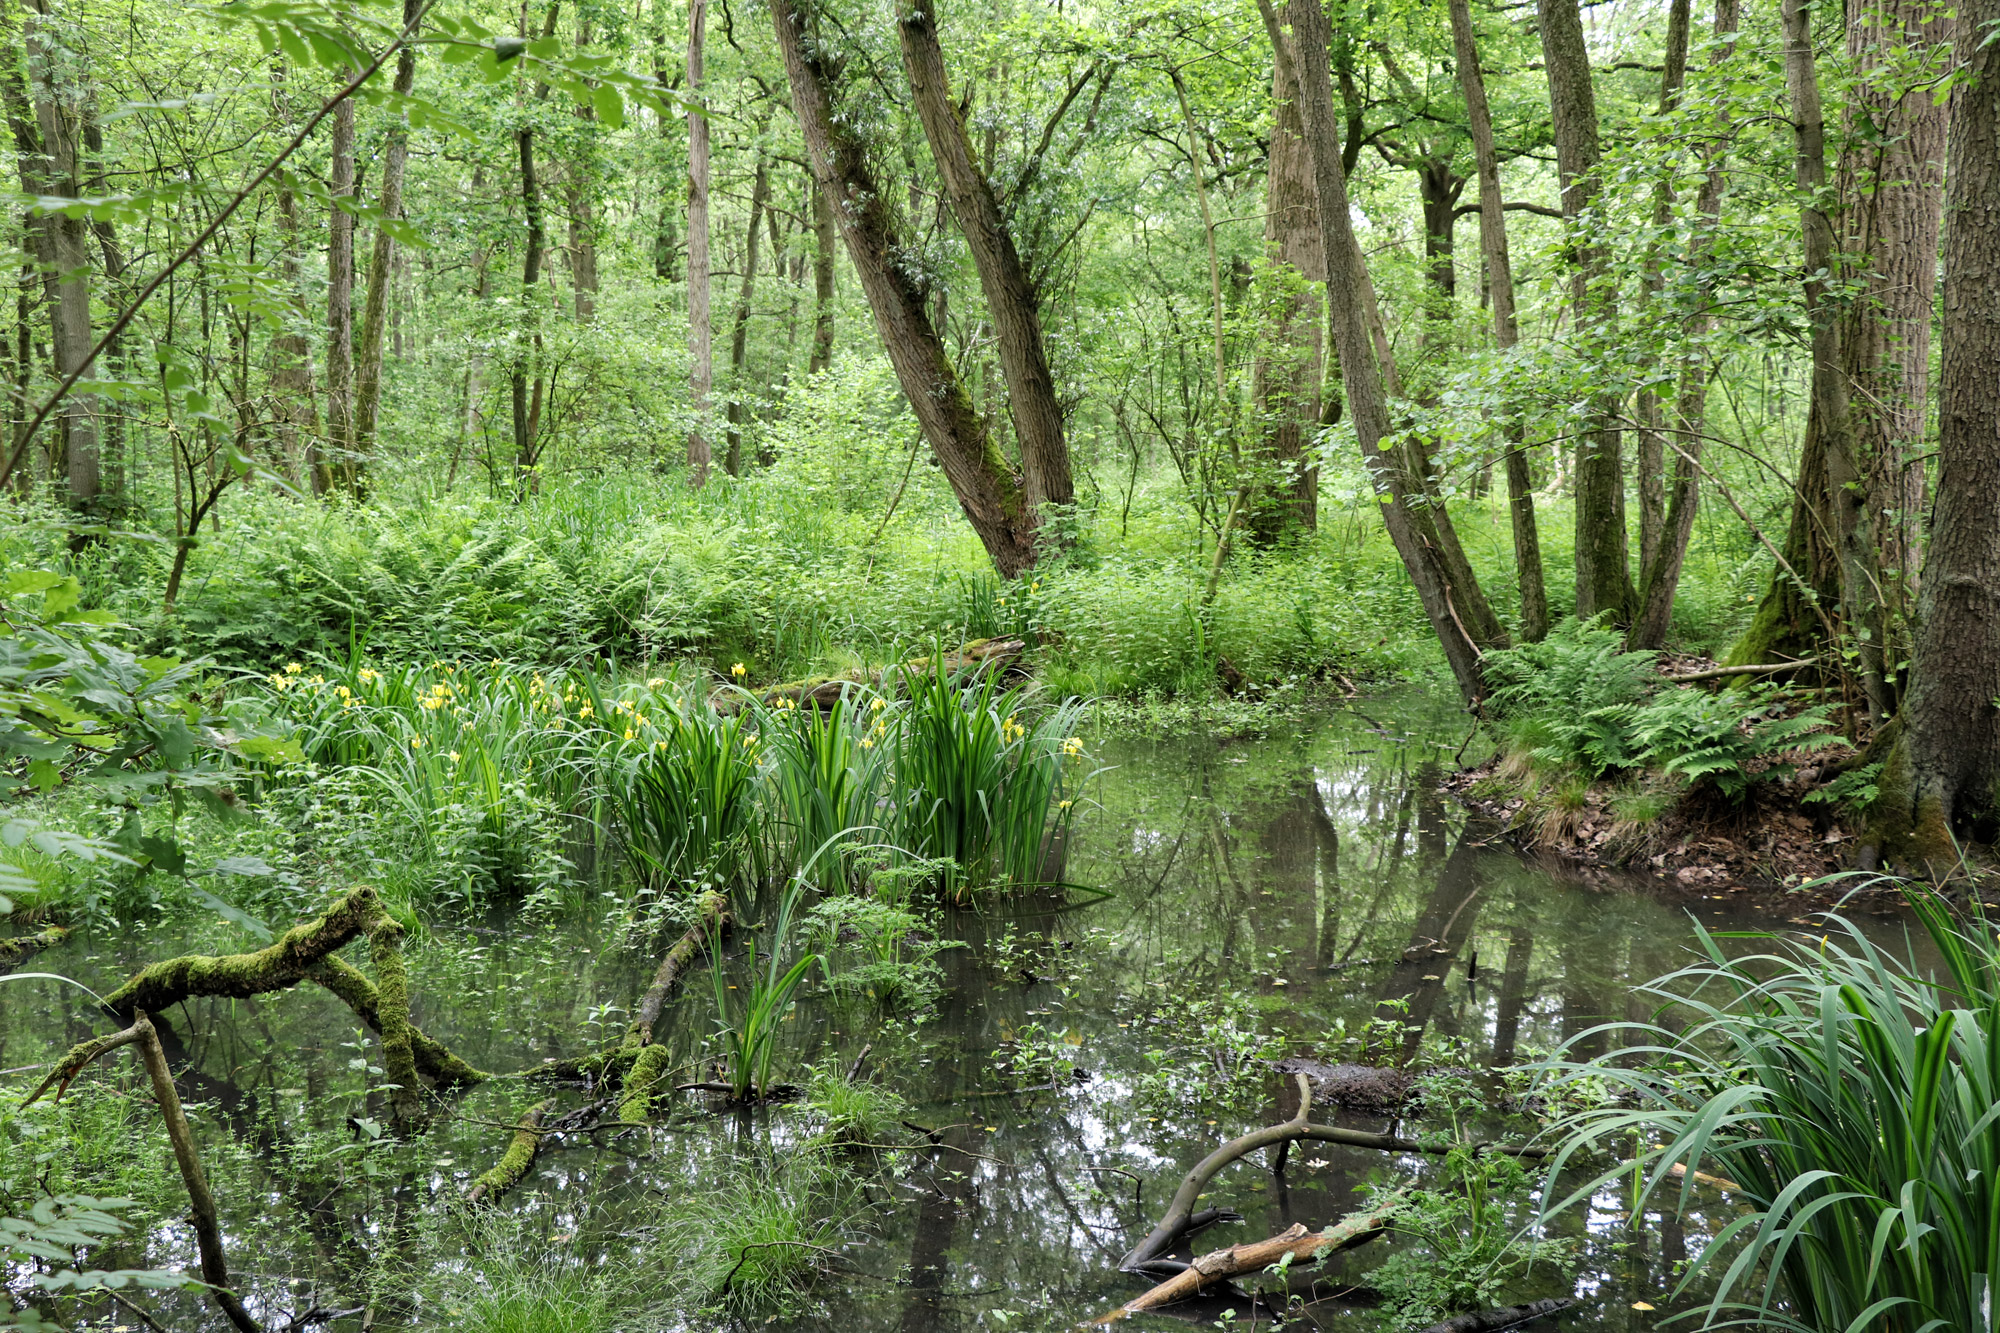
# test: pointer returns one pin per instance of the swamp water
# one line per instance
(1311, 886)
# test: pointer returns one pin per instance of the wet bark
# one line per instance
(701, 378)
(1506, 329)
(1012, 303)
(1603, 574)
(381, 266)
(987, 490)
(1946, 771)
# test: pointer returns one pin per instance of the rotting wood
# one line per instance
(1759, 669)
(399, 1062)
(280, 966)
(504, 1174)
(648, 1077)
(1180, 1218)
(1493, 1321)
(20, 948)
(825, 691)
(1298, 1244)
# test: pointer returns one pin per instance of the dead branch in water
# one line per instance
(515, 1161)
(1298, 1244)
(1493, 1321)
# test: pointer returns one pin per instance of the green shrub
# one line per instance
(1712, 739)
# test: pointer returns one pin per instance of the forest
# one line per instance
(1015, 665)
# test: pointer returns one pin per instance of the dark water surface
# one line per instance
(1315, 873)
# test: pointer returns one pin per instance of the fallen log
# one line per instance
(434, 1059)
(824, 692)
(1180, 1215)
(282, 965)
(19, 949)
(1493, 1321)
(1300, 1245)
(504, 1174)
(711, 917)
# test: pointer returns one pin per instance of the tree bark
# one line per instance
(1660, 577)
(1506, 329)
(1603, 575)
(986, 489)
(526, 403)
(59, 113)
(330, 462)
(701, 378)
(825, 237)
(375, 306)
(739, 334)
(1651, 478)
(1349, 297)
(1285, 378)
(1951, 771)
(291, 350)
(1012, 302)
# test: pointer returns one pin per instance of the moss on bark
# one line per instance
(642, 1084)
(434, 1059)
(282, 965)
(398, 1061)
(19, 949)
(515, 1161)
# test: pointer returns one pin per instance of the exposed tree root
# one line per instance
(1181, 1218)
(433, 1058)
(514, 1163)
(1492, 1321)
(1300, 1245)
(278, 967)
(20, 948)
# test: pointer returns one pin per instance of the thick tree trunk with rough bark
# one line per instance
(701, 343)
(1660, 576)
(986, 488)
(381, 264)
(1945, 772)
(1285, 379)
(1012, 303)
(331, 460)
(1349, 295)
(1506, 331)
(1603, 573)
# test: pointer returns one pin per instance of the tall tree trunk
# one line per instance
(526, 366)
(1603, 574)
(1660, 578)
(1844, 501)
(1946, 772)
(291, 349)
(1285, 379)
(666, 244)
(59, 113)
(1349, 295)
(701, 378)
(825, 237)
(1651, 404)
(986, 488)
(739, 333)
(1012, 302)
(1506, 330)
(330, 464)
(381, 265)
(577, 192)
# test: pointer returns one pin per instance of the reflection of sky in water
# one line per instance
(1316, 870)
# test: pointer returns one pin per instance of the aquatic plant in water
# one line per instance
(748, 1027)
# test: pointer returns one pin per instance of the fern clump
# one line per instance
(1714, 738)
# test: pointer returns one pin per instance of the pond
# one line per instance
(1311, 886)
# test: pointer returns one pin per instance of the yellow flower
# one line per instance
(656, 682)
(416, 742)
(631, 734)
(319, 680)
(739, 671)
(293, 668)
(659, 745)
(585, 711)
(1073, 746)
(454, 759)
(641, 717)
(278, 682)
(876, 707)
(1062, 805)
(867, 742)
(1036, 586)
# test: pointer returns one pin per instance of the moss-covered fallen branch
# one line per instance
(20, 948)
(647, 1078)
(434, 1059)
(282, 965)
(711, 917)
(826, 691)
(514, 1163)
(398, 1062)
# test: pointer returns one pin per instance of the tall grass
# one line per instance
(690, 802)
(1856, 1100)
(829, 771)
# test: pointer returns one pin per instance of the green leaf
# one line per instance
(610, 106)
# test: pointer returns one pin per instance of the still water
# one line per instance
(1311, 883)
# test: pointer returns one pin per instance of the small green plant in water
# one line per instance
(748, 1028)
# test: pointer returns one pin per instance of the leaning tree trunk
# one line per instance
(1661, 576)
(1603, 574)
(1349, 294)
(330, 461)
(1285, 378)
(1506, 330)
(375, 306)
(986, 488)
(1945, 771)
(1012, 302)
(701, 343)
